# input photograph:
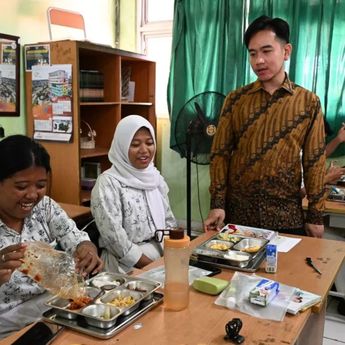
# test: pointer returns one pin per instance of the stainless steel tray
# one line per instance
(125, 289)
(252, 266)
(239, 238)
(80, 324)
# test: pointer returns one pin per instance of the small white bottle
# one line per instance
(271, 258)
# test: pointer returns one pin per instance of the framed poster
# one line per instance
(52, 102)
(9, 75)
(38, 54)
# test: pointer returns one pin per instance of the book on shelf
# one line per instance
(91, 86)
(302, 300)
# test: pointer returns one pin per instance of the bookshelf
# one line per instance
(103, 116)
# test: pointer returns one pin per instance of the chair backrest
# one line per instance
(92, 231)
(62, 17)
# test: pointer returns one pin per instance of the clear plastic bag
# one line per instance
(236, 296)
(54, 270)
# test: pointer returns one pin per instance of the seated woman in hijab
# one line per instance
(130, 200)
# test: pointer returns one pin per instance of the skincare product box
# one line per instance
(264, 292)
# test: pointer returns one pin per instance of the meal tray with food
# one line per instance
(108, 296)
(237, 247)
(247, 231)
(121, 323)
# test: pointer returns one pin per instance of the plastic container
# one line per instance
(176, 261)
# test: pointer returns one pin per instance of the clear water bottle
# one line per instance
(176, 262)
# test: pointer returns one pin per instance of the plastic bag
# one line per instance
(236, 296)
(54, 270)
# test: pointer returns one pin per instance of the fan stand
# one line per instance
(191, 130)
(189, 181)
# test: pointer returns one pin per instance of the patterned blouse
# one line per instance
(123, 219)
(48, 223)
(255, 160)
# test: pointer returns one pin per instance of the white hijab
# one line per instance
(148, 179)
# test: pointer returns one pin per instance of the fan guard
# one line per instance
(196, 124)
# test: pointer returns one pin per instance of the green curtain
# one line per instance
(208, 53)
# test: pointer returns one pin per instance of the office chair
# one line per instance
(65, 18)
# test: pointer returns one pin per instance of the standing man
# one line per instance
(256, 154)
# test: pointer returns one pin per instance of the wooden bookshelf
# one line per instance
(67, 157)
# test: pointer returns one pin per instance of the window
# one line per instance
(155, 20)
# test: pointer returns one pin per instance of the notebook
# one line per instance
(302, 300)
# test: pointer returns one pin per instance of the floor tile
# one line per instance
(334, 330)
(331, 342)
(334, 333)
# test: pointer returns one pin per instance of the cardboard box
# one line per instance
(264, 292)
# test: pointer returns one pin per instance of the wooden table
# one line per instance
(76, 212)
(203, 322)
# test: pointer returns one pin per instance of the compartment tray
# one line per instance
(82, 327)
(252, 266)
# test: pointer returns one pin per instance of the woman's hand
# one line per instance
(10, 259)
(87, 259)
(143, 261)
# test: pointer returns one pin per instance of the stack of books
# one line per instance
(91, 86)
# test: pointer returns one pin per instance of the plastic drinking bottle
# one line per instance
(176, 261)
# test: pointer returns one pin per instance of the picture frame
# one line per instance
(9, 75)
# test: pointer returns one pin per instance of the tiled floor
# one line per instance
(334, 333)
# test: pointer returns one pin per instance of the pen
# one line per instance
(310, 263)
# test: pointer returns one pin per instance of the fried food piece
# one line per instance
(252, 249)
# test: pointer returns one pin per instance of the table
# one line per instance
(76, 212)
(335, 210)
(202, 323)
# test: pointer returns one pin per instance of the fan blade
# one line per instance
(200, 113)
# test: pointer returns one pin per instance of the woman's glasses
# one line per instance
(174, 233)
(159, 234)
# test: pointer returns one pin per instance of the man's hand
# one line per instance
(214, 220)
(341, 134)
(314, 230)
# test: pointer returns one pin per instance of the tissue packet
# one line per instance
(264, 292)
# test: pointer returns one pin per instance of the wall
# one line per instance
(28, 20)
(173, 168)
(128, 25)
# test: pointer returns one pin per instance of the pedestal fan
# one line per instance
(195, 126)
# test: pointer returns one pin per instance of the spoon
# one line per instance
(104, 289)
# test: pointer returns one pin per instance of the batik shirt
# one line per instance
(48, 223)
(123, 218)
(255, 160)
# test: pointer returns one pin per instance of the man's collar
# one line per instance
(287, 85)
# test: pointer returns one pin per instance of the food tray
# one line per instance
(123, 296)
(337, 194)
(81, 326)
(237, 247)
(248, 231)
